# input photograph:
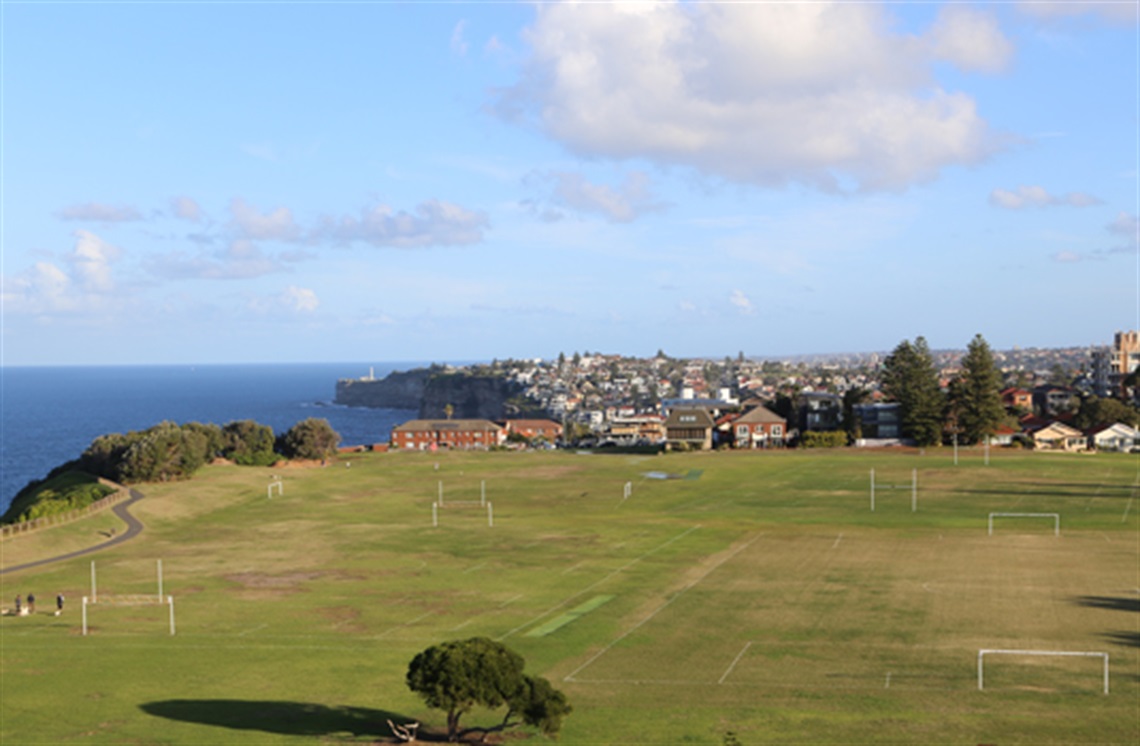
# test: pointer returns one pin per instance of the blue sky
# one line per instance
(204, 183)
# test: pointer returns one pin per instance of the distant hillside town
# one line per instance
(1069, 398)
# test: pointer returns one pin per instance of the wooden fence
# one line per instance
(15, 529)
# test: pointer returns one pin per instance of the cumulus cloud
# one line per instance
(1112, 11)
(969, 39)
(1038, 196)
(186, 209)
(619, 205)
(277, 225)
(741, 302)
(99, 213)
(433, 223)
(822, 94)
(293, 300)
(84, 283)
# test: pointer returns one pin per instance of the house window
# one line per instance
(777, 430)
(742, 431)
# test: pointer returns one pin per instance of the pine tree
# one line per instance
(910, 379)
(981, 410)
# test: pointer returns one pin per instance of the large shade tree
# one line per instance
(313, 438)
(980, 410)
(458, 675)
(909, 377)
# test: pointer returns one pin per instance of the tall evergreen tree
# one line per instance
(980, 407)
(910, 379)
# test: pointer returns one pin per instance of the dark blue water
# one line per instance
(50, 415)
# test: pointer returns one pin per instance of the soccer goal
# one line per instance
(1053, 653)
(1055, 516)
(913, 487)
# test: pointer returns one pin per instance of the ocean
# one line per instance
(49, 415)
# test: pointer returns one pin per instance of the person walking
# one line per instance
(31, 603)
(19, 603)
(58, 604)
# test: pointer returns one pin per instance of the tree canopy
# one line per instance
(910, 379)
(458, 675)
(313, 438)
(980, 410)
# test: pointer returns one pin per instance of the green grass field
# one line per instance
(763, 598)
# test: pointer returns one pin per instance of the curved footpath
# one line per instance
(134, 528)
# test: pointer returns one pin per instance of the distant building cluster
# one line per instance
(596, 400)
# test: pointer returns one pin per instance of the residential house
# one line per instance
(820, 411)
(879, 421)
(1057, 436)
(1115, 437)
(1017, 398)
(459, 434)
(759, 427)
(1051, 401)
(691, 427)
(547, 430)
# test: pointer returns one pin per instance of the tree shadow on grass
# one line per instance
(1109, 602)
(287, 718)
(1127, 639)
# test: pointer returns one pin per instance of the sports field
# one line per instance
(755, 594)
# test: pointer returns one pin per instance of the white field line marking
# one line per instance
(888, 684)
(735, 660)
(476, 567)
(572, 569)
(461, 625)
(1106, 537)
(405, 624)
(512, 598)
(595, 584)
(1126, 509)
(833, 546)
(659, 609)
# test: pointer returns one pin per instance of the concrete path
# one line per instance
(134, 528)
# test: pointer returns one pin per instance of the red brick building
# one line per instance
(548, 430)
(759, 427)
(423, 435)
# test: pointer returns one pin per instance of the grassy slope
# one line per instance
(764, 598)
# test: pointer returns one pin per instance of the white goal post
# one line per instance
(1055, 516)
(1065, 653)
(279, 485)
(913, 487)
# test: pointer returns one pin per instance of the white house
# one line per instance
(1115, 437)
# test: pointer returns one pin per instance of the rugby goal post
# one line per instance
(275, 485)
(1055, 516)
(913, 487)
(1059, 653)
(129, 600)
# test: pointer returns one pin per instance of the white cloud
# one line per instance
(1111, 11)
(620, 205)
(969, 39)
(86, 285)
(458, 43)
(741, 302)
(91, 262)
(823, 94)
(1038, 196)
(434, 223)
(273, 226)
(186, 209)
(100, 213)
(1066, 257)
(300, 300)
(292, 300)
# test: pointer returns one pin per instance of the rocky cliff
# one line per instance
(399, 390)
(432, 390)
